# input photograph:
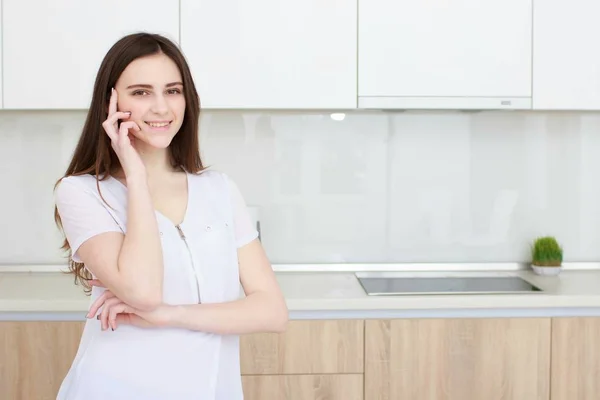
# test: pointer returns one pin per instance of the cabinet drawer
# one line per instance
(307, 347)
(303, 387)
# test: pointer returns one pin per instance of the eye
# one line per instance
(140, 93)
(174, 91)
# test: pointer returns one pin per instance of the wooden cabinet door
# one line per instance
(307, 347)
(35, 357)
(458, 359)
(303, 387)
(575, 359)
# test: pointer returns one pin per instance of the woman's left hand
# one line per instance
(115, 312)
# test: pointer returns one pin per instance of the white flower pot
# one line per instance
(546, 271)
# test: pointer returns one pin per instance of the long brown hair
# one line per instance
(94, 154)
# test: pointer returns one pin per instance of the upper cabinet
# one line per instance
(463, 54)
(1, 61)
(52, 49)
(318, 55)
(566, 61)
(272, 54)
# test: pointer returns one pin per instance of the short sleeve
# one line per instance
(245, 231)
(82, 214)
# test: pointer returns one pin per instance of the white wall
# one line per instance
(375, 187)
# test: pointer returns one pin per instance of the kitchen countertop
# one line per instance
(38, 295)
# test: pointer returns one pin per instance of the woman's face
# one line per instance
(151, 89)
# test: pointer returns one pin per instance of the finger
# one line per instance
(124, 130)
(126, 126)
(114, 312)
(110, 125)
(132, 139)
(112, 104)
(128, 319)
(133, 319)
(112, 119)
(97, 283)
(105, 314)
(98, 303)
(122, 319)
(113, 301)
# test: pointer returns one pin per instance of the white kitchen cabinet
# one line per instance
(445, 54)
(1, 62)
(566, 60)
(53, 49)
(272, 54)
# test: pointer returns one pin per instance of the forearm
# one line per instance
(258, 312)
(140, 259)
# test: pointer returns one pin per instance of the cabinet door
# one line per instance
(35, 357)
(445, 54)
(303, 387)
(457, 359)
(53, 49)
(1, 64)
(307, 347)
(575, 358)
(272, 54)
(566, 63)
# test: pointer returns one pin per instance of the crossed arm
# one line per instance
(263, 309)
(130, 268)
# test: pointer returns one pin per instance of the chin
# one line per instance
(159, 143)
(158, 138)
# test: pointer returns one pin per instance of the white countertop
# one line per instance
(53, 295)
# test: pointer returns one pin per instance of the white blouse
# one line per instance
(200, 265)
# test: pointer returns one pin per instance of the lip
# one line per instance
(158, 128)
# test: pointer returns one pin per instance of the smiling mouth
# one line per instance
(163, 124)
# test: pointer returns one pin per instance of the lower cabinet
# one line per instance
(414, 359)
(312, 360)
(306, 347)
(303, 387)
(35, 357)
(575, 359)
(458, 359)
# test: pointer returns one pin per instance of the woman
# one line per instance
(163, 242)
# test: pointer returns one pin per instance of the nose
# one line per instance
(160, 105)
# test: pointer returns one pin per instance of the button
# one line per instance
(160, 233)
(208, 228)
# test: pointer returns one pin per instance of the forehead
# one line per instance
(156, 70)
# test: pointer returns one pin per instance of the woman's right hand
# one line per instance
(122, 144)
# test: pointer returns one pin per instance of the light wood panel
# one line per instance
(303, 387)
(35, 357)
(575, 359)
(307, 347)
(458, 359)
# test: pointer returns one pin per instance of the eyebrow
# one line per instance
(146, 86)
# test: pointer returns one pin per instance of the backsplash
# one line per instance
(373, 187)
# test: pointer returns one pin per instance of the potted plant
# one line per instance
(547, 256)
